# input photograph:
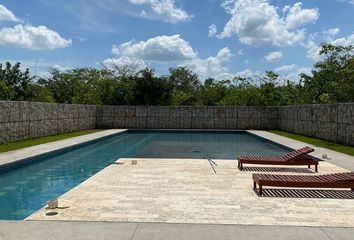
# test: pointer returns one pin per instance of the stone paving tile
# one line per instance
(187, 191)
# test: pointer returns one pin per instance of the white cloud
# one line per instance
(286, 72)
(344, 41)
(292, 72)
(241, 52)
(331, 32)
(166, 9)
(313, 48)
(212, 30)
(286, 68)
(60, 68)
(171, 50)
(36, 38)
(7, 15)
(257, 22)
(39, 66)
(274, 56)
(112, 63)
(247, 73)
(296, 16)
(158, 49)
(215, 67)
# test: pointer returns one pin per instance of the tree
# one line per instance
(152, 90)
(185, 86)
(332, 78)
(270, 94)
(213, 91)
(125, 71)
(79, 85)
(14, 83)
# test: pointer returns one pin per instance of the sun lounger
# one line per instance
(297, 157)
(337, 180)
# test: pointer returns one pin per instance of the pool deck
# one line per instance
(184, 199)
(188, 191)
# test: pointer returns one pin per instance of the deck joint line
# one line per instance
(136, 228)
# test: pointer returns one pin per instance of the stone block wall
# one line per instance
(185, 117)
(25, 120)
(333, 122)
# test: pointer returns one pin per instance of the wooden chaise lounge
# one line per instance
(336, 180)
(296, 157)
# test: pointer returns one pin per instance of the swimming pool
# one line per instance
(25, 188)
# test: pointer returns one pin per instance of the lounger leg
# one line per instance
(254, 185)
(309, 166)
(316, 168)
(260, 190)
(352, 189)
(240, 166)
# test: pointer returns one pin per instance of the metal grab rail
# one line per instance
(211, 162)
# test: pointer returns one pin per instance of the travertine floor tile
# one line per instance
(188, 191)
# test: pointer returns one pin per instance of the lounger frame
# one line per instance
(301, 161)
(295, 158)
(297, 182)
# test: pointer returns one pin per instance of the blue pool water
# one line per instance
(26, 188)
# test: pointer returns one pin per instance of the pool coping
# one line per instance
(23, 155)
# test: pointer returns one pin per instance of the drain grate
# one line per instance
(51, 213)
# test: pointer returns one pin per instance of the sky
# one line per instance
(214, 38)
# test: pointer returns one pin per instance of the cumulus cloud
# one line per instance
(7, 15)
(274, 56)
(215, 67)
(159, 49)
(247, 73)
(35, 38)
(165, 8)
(212, 30)
(172, 50)
(257, 22)
(286, 72)
(313, 48)
(292, 71)
(112, 63)
(296, 16)
(60, 68)
(344, 41)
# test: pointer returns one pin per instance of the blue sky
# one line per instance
(214, 38)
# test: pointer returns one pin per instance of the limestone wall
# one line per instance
(333, 122)
(154, 117)
(25, 120)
